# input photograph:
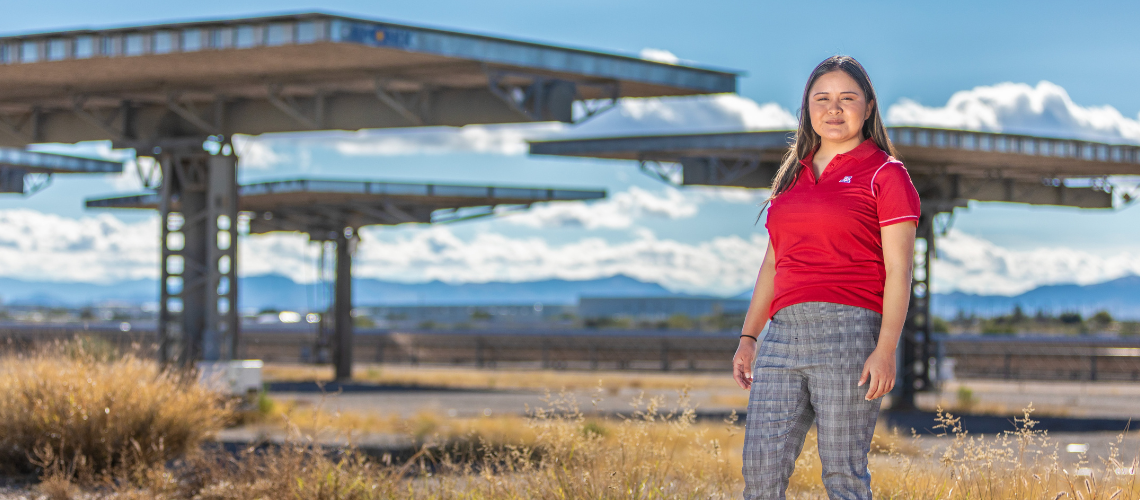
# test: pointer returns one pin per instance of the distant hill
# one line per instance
(280, 292)
(67, 294)
(1121, 297)
(260, 292)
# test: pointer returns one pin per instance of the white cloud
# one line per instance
(970, 264)
(257, 153)
(36, 246)
(718, 266)
(679, 115)
(1045, 110)
(494, 139)
(721, 265)
(621, 210)
(289, 254)
(43, 247)
(659, 55)
(616, 212)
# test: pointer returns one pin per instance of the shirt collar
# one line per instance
(861, 152)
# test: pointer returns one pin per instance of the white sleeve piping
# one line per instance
(897, 218)
(877, 174)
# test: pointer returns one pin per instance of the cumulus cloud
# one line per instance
(659, 55)
(494, 139)
(257, 153)
(617, 212)
(36, 246)
(720, 265)
(970, 264)
(622, 210)
(681, 115)
(1045, 110)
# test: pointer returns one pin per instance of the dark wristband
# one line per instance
(749, 336)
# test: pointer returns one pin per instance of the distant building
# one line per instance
(658, 308)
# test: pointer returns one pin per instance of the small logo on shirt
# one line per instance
(846, 180)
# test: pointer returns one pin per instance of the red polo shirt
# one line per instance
(826, 233)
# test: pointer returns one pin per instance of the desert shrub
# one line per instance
(88, 414)
(290, 471)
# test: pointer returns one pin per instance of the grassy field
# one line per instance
(119, 427)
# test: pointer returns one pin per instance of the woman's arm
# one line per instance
(898, 257)
(755, 320)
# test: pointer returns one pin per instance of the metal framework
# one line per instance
(167, 90)
(949, 168)
(331, 211)
(141, 85)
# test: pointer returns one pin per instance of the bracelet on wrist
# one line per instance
(749, 336)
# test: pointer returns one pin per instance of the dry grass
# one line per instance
(431, 427)
(557, 451)
(74, 412)
(654, 454)
(1023, 463)
(422, 427)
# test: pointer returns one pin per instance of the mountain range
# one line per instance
(1121, 297)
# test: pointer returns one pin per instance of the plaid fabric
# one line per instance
(806, 370)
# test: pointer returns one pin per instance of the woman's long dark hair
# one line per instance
(807, 140)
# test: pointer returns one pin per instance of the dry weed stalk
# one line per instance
(1020, 464)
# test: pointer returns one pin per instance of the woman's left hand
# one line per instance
(879, 371)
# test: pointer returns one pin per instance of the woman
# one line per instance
(835, 283)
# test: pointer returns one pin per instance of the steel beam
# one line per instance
(916, 347)
(342, 306)
(198, 290)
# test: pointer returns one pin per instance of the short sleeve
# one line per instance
(895, 195)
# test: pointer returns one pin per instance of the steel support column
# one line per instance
(198, 291)
(916, 345)
(342, 307)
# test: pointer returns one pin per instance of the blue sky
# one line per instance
(698, 241)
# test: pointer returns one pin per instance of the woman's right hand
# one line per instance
(742, 362)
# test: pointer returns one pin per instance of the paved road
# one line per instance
(1059, 399)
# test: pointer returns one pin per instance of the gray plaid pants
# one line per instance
(806, 369)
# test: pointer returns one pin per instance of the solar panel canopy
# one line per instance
(304, 72)
(949, 167)
(16, 164)
(322, 208)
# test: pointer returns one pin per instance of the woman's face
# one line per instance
(838, 108)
